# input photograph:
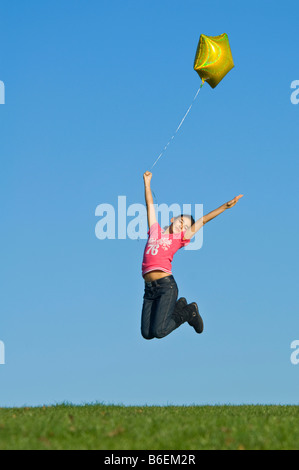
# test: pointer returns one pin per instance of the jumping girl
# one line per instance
(162, 312)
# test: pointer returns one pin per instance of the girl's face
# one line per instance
(180, 224)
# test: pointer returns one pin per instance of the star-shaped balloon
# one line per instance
(213, 58)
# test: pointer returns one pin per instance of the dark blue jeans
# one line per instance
(160, 308)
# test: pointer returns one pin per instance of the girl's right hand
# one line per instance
(147, 176)
(233, 202)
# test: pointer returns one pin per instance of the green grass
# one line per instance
(151, 428)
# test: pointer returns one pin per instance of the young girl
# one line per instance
(162, 312)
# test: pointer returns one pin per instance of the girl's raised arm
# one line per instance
(151, 214)
(211, 215)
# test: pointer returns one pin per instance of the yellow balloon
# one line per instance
(213, 58)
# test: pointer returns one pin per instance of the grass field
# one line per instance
(150, 428)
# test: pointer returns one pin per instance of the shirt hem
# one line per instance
(156, 267)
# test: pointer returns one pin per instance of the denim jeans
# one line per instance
(160, 308)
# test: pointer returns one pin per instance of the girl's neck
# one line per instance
(168, 230)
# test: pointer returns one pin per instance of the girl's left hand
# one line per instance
(147, 176)
(234, 201)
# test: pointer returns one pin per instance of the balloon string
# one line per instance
(179, 126)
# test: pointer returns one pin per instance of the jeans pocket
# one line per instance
(168, 290)
(149, 293)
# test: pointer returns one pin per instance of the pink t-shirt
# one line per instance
(160, 248)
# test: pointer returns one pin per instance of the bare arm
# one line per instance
(151, 214)
(211, 215)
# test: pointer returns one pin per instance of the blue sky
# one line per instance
(94, 90)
